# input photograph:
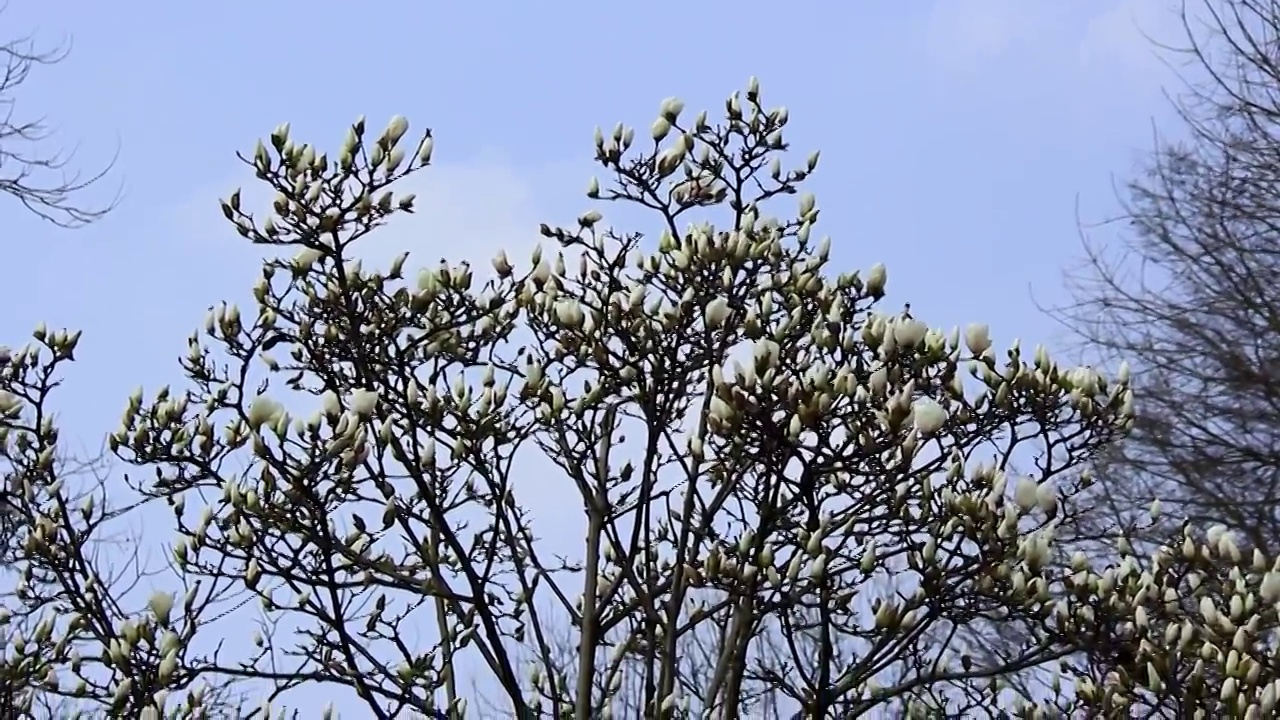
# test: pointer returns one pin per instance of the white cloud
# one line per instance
(1096, 42)
(963, 36)
(1120, 38)
(464, 211)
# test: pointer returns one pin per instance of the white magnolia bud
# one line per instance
(1215, 533)
(807, 201)
(793, 567)
(569, 313)
(819, 568)
(977, 338)
(671, 108)
(168, 665)
(876, 279)
(716, 312)
(908, 333)
(329, 403)
(263, 410)
(394, 159)
(668, 160)
(363, 402)
(868, 562)
(1227, 547)
(720, 409)
(929, 416)
(501, 264)
(660, 128)
(396, 129)
(397, 265)
(306, 258)
(878, 383)
(1024, 494)
(1270, 587)
(161, 603)
(1047, 497)
(1208, 610)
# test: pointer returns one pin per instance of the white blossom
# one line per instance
(396, 129)
(569, 314)
(876, 279)
(161, 603)
(660, 128)
(977, 338)
(929, 416)
(1025, 493)
(740, 424)
(9, 402)
(330, 404)
(263, 410)
(363, 402)
(1269, 590)
(908, 333)
(671, 108)
(306, 258)
(1047, 496)
(807, 202)
(716, 312)
(501, 265)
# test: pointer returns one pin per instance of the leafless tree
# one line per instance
(41, 180)
(1184, 295)
(1190, 294)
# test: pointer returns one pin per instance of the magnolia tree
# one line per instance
(789, 500)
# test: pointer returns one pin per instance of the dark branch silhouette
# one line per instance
(42, 181)
(1191, 294)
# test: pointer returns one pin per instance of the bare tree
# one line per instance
(1188, 301)
(1191, 296)
(791, 500)
(42, 181)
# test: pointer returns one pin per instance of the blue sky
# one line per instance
(956, 139)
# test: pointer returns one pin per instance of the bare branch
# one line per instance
(42, 182)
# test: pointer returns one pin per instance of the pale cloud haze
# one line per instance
(1093, 46)
(956, 139)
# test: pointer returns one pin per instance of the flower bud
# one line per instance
(396, 130)
(671, 108)
(161, 603)
(929, 416)
(659, 129)
(977, 338)
(876, 279)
